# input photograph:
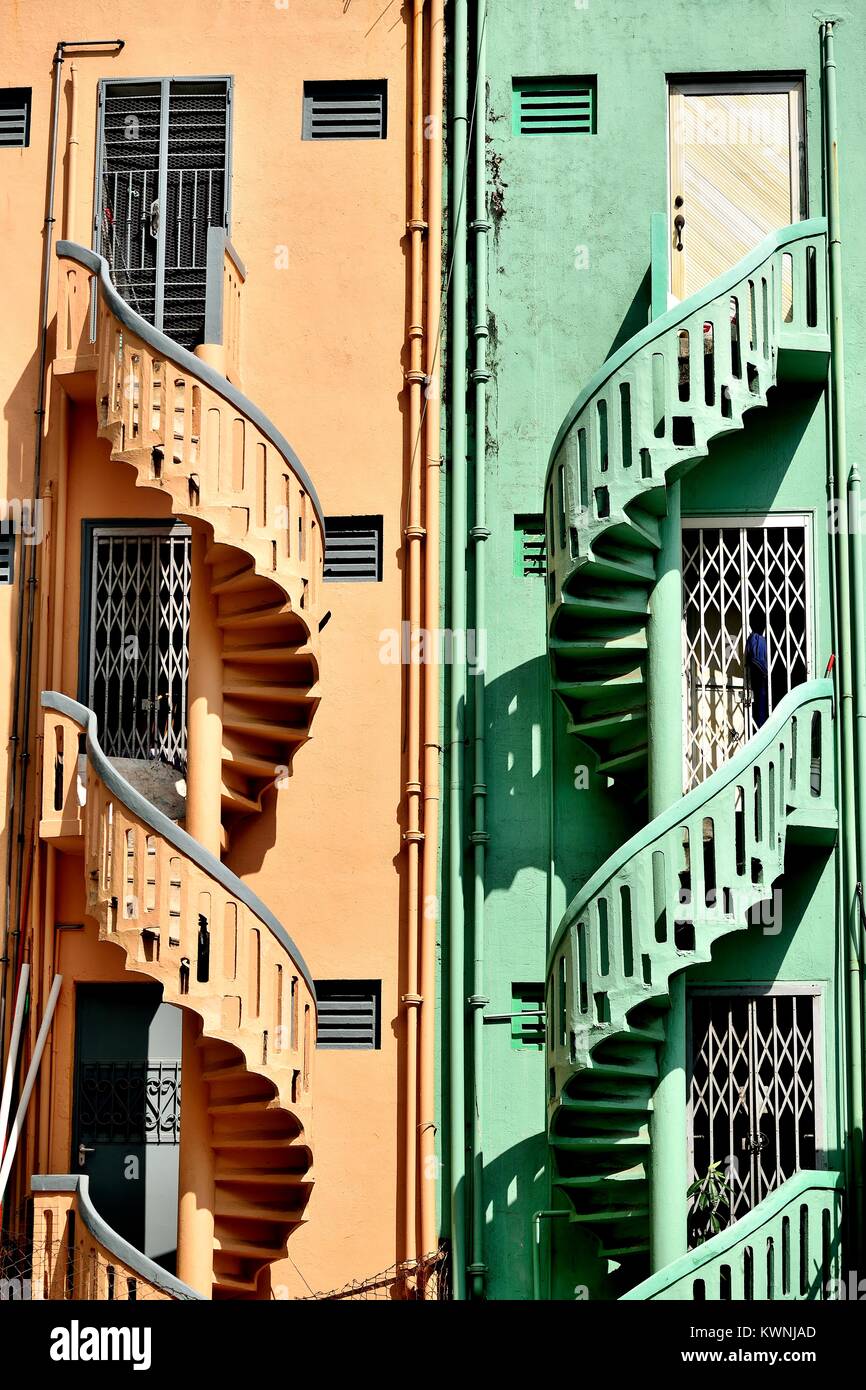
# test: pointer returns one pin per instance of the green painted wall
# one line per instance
(569, 282)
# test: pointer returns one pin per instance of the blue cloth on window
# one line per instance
(756, 666)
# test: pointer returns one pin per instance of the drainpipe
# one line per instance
(478, 535)
(430, 915)
(25, 618)
(457, 690)
(72, 156)
(848, 617)
(668, 1156)
(413, 536)
(537, 1218)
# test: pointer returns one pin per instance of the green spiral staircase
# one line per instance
(700, 870)
(646, 418)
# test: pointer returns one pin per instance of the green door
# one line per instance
(126, 1125)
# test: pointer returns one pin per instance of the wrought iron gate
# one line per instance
(163, 181)
(139, 640)
(753, 1090)
(729, 571)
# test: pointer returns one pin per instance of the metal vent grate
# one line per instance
(530, 551)
(349, 1013)
(345, 110)
(527, 999)
(7, 555)
(15, 116)
(353, 549)
(554, 106)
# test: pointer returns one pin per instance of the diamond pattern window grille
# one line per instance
(139, 642)
(753, 1094)
(728, 571)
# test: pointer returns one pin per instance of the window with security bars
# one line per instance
(355, 110)
(163, 181)
(15, 117)
(527, 1015)
(753, 1093)
(353, 549)
(731, 572)
(530, 552)
(349, 1014)
(554, 105)
(138, 641)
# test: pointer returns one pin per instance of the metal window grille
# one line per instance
(139, 641)
(555, 106)
(349, 1013)
(753, 1093)
(728, 572)
(15, 117)
(530, 550)
(345, 110)
(129, 1102)
(353, 549)
(163, 182)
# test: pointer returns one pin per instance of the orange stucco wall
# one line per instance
(323, 355)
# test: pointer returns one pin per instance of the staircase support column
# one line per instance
(204, 731)
(195, 1211)
(669, 1168)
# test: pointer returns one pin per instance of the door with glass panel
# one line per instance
(163, 166)
(733, 570)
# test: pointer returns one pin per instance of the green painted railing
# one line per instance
(696, 873)
(647, 417)
(786, 1249)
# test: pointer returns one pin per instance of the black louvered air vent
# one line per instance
(349, 1012)
(7, 555)
(345, 110)
(353, 549)
(554, 106)
(15, 116)
(530, 558)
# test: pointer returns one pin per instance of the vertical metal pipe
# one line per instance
(430, 915)
(457, 615)
(848, 617)
(479, 534)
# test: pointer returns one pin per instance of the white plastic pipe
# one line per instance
(12, 1062)
(9, 1154)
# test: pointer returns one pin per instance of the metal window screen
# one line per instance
(139, 642)
(163, 181)
(353, 548)
(753, 1094)
(7, 558)
(348, 1013)
(728, 572)
(345, 111)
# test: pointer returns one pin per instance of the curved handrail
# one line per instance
(98, 265)
(786, 236)
(807, 1180)
(692, 801)
(115, 1244)
(180, 839)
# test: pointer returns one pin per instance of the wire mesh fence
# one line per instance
(414, 1281)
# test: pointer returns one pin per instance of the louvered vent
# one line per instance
(353, 549)
(530, 555)
(345, 110)
(554, 106)
(15, 116)
(527, 1015)
(7, 555)
(349, 1012)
